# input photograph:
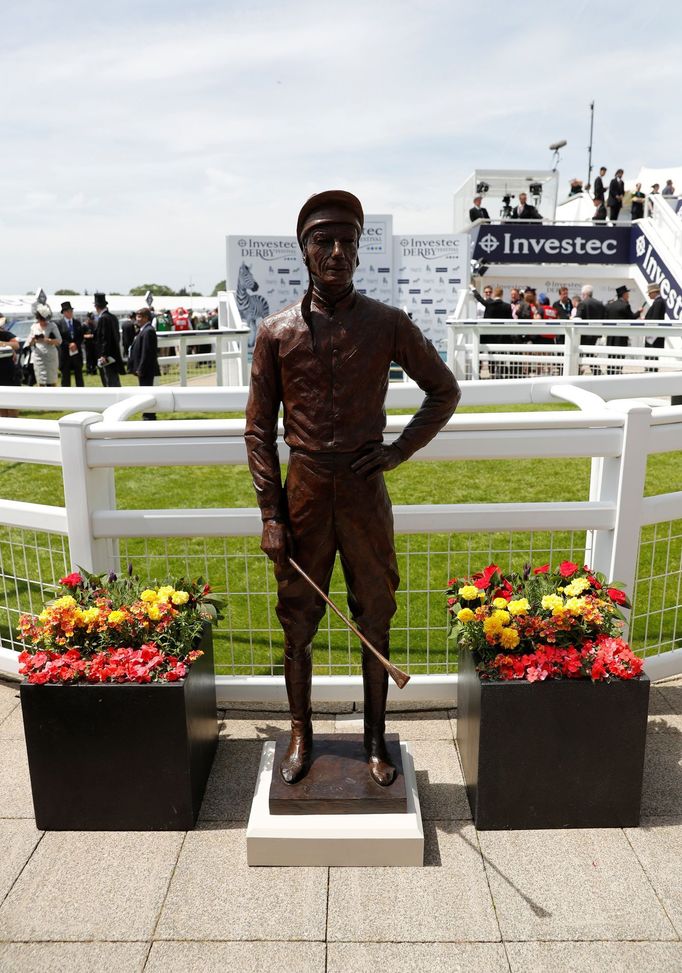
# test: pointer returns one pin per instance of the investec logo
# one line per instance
(657, 275)
(573, 246)
(430, 248)
(267, 249)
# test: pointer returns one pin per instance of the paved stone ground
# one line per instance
(578, 901)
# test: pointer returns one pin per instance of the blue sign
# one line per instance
(656, 272)
(533, 243)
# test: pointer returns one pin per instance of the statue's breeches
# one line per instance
(332, 509)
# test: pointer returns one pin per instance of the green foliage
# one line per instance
(159, 290)
(66, 292)
(220, 286)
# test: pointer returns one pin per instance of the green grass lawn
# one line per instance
(249, 640)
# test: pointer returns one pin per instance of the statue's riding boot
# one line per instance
(298, 670)
(375, 680)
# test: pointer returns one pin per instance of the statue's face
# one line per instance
(332, 252)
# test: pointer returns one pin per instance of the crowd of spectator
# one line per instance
(525, 304)
(59, 349)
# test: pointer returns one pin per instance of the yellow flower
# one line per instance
(89, 615)
(465, 615)
(500, 603)
(180, 597)
(116, 617)
(552, 603)
(153, 612)
(576, 587)
(149, 595)
(509, 638)
(44, 616)
(65, 602)
(503, 618)
(575, 606)
(518, 607)
(166, 592)
(469, 592)
(492, 626)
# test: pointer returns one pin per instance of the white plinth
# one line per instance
(333, 839)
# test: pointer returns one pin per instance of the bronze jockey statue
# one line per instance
(326, 360)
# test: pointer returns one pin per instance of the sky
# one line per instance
(137, 135)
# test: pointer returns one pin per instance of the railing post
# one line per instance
(219, 360)
(621, 480)
(475, 354)
(85, 490)
(571, 363)
(183, 361)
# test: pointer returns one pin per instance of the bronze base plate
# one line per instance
(339, 781)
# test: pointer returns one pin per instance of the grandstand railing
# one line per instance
(525, 353)
(631, 537)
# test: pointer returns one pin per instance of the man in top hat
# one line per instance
(143, 358)
(619, 310)
(71, 348)
(655, 312)
(326, 360)
(615, 197)
(477, 211)
(108, 344)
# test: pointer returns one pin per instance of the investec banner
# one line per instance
(533, 243)
(374, 276)
(429, 270)
(656, 272)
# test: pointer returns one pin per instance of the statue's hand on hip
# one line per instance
(276, 541)
(378, 459)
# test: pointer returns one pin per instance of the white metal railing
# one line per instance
(470, 356)
(667, 222)
(227, 354)
(606, 528)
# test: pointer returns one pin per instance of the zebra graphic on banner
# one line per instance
(252, 307)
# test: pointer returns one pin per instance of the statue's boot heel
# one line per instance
(298, 668)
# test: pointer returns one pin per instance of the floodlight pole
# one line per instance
(589, 148)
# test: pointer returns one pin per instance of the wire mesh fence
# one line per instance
(248, 639)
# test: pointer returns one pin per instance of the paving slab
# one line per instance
(658, 846)
(428, 725)
(452, 715)
(595, 957)
(73, 957)
(214, 894)
(241, 725)
(440, 783)
(583, 884)
(12, 727)
(447, 900)
(167, 957)
(659, 704)
(15, 784)
(232, 782)
(662, 787)
(673, 694)
(18, 838)
(91, 885)
(9, 698)
(417, 958)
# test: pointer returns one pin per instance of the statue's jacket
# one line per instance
(330, 374)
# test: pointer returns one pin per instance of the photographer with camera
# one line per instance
(44, 339)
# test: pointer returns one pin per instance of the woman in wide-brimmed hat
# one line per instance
(44, 339)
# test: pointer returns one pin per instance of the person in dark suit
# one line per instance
(89, 327)
(498, 309)
(524, 211)
(143, 359)
(616, 193)
(478, 212)
(599, 211)
(563, 305)
(599, 188)
(71, 348)
(637, 206)
(590, 309)
(108, 344)
(619, 310)
(655, 313)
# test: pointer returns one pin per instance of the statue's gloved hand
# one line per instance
(276, 541)
(377, 459)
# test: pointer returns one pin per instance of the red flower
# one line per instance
(71, 580)
(618, 597)
(541, 570)
(483, 579)
(567, 569)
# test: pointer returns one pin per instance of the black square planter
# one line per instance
(552, 754)
(122, 757)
